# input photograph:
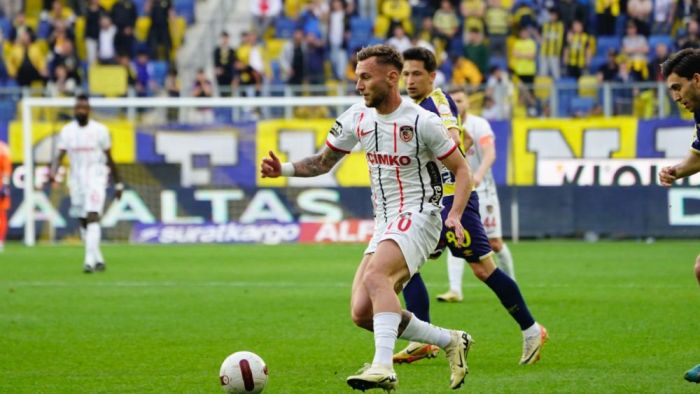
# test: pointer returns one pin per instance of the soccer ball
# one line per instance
(242, 373)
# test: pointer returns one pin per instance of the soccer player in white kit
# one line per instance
(88, 145)
(402, 142)
(481, 155)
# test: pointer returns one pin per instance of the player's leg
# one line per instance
(490, 212)
(477, 251)
(693, 375)
(455, 271)
(93, 232)
(504, 259)
(697, 269)
(417, 302)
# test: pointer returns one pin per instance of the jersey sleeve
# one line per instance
(483, 135)
(446, 109)
(342, 136)
(105, 139)
(434, 134)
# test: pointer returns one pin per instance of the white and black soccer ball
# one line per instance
(243, 373)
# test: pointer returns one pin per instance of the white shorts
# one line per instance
(490, 212)
(85, 200)
(416, 233)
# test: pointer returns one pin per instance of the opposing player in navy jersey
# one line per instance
(402, 141)
(419, 74)
(682, 73)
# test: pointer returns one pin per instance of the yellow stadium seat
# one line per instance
(108, 81)
(588, 86)
(177, 34)
(32, 8)
(143, 25)
(543, 86)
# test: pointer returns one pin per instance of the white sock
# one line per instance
(533, 330)
(505, 261)
(455, 271)
(82, 233)
(93, 233)
(386, 329)
(419, 331)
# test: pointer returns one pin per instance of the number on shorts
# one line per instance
(452, 239)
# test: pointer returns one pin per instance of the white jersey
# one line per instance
(480, 131)
(401, 149)
(85, 147)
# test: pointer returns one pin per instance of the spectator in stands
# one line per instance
(661, 54)
(609, 71)
(418, 41)
(607, 11)
(476, 50)
(524, 16)
(25, 62)
(202, 88)
(578, 51)
(159, 40)
(9, 9)
(314, 19)
(60, 14)
(293, 59)
(446, 23)
(338, 34)
(265, 12)
(125, 62)
(473, 12)
(58, 36)
(524, 57)
(497, 25)
(552, 45)
(636, 48)
(465, 72)
(92, 29)
(691, 39)
(315, 59)
(106, 51)
(570, 11)
(250, 53)
(623, 94)
(224, 56)
(144, 84)
(664, 13)
(393, 12)
(500, 89)
(639, 11)
(399, 40)
(246, 79)
(61, 83)
(67, 58)
(124, 16)
(489, 109)
(18, 25)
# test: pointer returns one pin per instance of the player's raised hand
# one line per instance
(667, 176)
(453, 223)
(270, 166)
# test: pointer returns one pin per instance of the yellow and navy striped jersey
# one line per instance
(579, 45)
(442, 104)
(552, 38)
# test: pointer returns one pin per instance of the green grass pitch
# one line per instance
(622, 316)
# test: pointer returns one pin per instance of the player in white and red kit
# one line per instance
(402, 142)
(88, 145)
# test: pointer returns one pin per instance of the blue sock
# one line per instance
(417, 298)
(508, 292)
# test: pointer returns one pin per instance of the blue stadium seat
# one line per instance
(567, 89)
(361, 28)
(607, 42)
(6, 27)
(160, 71)
(284, 27)
(7, 110)
(582, 105)
(356, 43)
(185, 8)
(140, 7)
(596, 62)
(499, 61)
(276, 70)
(660, 39)
(620, 25)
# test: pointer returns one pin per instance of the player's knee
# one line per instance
(483, 269)
(496, 244)
(361, 319)
(92, 217)
(697, 269)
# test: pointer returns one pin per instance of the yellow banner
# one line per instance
(292, 140)
(122, 132)
(567, 138)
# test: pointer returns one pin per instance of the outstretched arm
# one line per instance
(456, 163)
(55, 164)
(315, 165)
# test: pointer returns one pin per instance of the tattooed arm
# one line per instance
(315, 165)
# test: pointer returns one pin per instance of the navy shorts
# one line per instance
(476, 244)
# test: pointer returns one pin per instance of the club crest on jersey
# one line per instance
(406, 133)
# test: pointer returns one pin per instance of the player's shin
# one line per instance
(504, 260)
(93, 233)
(509, 294)
(386, 325)
(455, 271)
(419, 331)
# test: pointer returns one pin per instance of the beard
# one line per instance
(375, 100)
(81, 119)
